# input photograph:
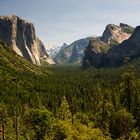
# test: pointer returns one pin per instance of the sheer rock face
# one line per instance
(20, 35)
(110, 56)
(115, 34)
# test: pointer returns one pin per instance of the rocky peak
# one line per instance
(21, 37)
(127, 28)
(64, 45)
(114, 34)
(99, 54)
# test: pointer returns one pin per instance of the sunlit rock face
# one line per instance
(20, 35)
(115, 34)
(101, 54)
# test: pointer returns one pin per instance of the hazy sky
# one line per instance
(59, 21)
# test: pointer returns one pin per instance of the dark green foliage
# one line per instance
(84, 104)
(123, 123)
(38, 121)
(63, 111)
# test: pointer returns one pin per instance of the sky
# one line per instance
(64, 21)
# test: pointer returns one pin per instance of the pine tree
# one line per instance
(74, 108)
(63, 111)
(128, 85)
(126, 123)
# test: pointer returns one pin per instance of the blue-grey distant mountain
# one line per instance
(73, 53)
(54, 50)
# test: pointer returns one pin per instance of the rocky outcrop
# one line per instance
(112, 56)
(95, 54)
(73, 53)
(20, 36)
(127, 28)
(114, 34)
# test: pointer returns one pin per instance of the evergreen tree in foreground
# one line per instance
(63, 111)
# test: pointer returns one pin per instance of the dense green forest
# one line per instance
(62, 102)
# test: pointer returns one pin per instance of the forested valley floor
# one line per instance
(65, 102)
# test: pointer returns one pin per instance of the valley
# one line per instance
(67, 102)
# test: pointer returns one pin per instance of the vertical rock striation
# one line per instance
(21, 37)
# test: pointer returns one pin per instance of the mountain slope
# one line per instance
(10, 63)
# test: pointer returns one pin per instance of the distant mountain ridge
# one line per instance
(73, 53)
(113, 35)
(54, 50)
(21, 37)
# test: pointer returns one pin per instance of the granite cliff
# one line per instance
(110, 56)
(21, 37)
(114, 34)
